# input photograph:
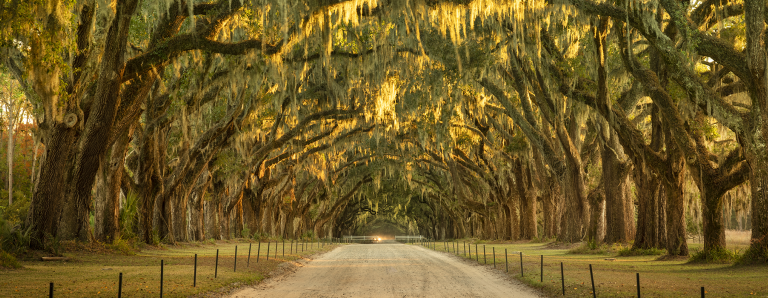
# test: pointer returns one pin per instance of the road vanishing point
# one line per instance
(389, 270)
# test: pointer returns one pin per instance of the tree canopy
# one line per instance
(570, 119)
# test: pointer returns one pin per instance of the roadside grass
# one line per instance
(95, 274)
(614, 274)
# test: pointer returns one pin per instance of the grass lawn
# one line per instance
(617, 277)
(94, 272)
(91, 273)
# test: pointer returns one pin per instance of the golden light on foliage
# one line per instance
(337, 112)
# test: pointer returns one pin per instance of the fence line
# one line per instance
(320, 245)
(467, 253)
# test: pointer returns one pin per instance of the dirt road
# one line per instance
(389, 270)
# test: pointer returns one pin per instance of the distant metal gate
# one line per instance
(409, 239)
(377, 239)
(361, 239)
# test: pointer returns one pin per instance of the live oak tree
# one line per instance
(504, 120)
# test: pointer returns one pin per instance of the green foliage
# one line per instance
(756, 254)
(630, 252)
(13, 238)
(156, 241)
(22, 166)
(692, 227)
(591, 247)
(23, 151)
(16, 213)
(124, 246)
(517, 145)
(260, 236)
(709, 130)
(53, 244)
(722, 256)
(8, 261)
(129, 217)
(245, 233)
(308, 235)
(314, 211)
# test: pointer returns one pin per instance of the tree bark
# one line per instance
(95, 138)
(106, 218)
(758, 249)
(575, 220)
(512, 206)
(757, 156)
(651, 212)
(198, 207)
(619, 209)
(181, 207)
(677, 244)
(596, 231)
(527, 202)
(713, 222)
(34, 172)
(48, 199)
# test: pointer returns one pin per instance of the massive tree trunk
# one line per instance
(550, 197)
(576, 219)
(676, 233)
(165, 220)
(619, 209)
(58, 125)
(677, 244)
(596, 198)
(102, 205)
(513, 207)
(511, 218)
(180, 222)
(97, 131)
(651, 212)
(253, 206)
(714, 181)
(757, 136)
(107, 215)
(549, 213)
(149, 175)
(713, 222)
(197, 210)
(527, 201)
(651, 194)
(503, 222)
(758, 250)
(48, 199)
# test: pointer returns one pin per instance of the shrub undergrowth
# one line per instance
(124, 246)
(630, 252)
(591, 248)
(13, 239)
(8, 261)
(129, 217)
(722, 255)
(756, 254)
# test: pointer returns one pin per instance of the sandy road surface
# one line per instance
(388, 270)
